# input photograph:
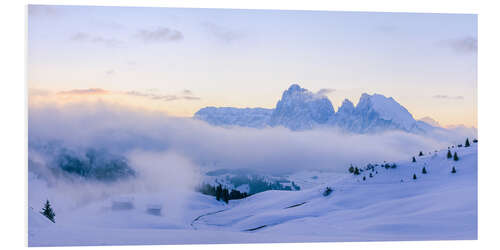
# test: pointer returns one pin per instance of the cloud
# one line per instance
(85, 37)
(463, 45)
(430, 121)
(191, 98)
(222, 33)
(39, 92)
(446, 97)
(161, 34)
(167, 98)
(160, 172)
(273, 150)
(91, 91)
(325, 91)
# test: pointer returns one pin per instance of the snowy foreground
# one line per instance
(391, 205)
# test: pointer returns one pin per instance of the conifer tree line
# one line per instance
(221, 193)
(370, 167)
(354, 170)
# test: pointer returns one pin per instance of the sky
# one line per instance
(180, 60)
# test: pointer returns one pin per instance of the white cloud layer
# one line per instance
(278, 150)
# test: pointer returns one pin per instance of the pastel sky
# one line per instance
(180, 60)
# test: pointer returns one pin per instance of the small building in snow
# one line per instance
(122, 203)
(154, 209)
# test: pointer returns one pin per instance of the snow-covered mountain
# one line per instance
(374, 113)
(301, 109)
(227, 116)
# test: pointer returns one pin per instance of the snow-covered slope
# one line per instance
(227, 116)
(390, 205)
(301, 109)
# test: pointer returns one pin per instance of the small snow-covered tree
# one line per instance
(467, 143)
(449, 154)
(328, 191)
(48, 212)
(453, 170)
(424, 171)
(455, 157)
(414, 176)
(371, 175)
(420, 154)
(364, 178)
(413, 160)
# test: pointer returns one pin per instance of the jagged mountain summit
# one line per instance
(301, 109)
(374, 113)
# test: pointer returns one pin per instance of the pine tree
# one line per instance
(225, 195)
(371, 175)
(413, 160)
(356, 171)
(351, 169)
(467, 144)
(414, 176)
(424, 171)
(455, 157)
(453, 170)
(420, 154)
(48, 212)
(448, 155)
(364, 178)
(218, 192)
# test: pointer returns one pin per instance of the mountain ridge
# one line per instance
(300, 109)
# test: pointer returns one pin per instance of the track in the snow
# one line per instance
(199, 217)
